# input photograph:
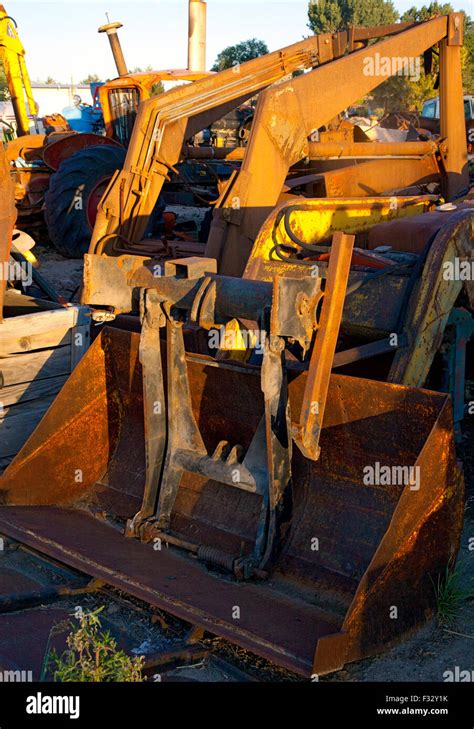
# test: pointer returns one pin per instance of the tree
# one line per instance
(157, 88)
(92, 78)
(426, 12)
(329, 16)
(398, 92)
(51, 81)
(417, 92)
(435, 8)
(468, 71)
(139, 69)
(325, 16)
(371, 12)
(245, 51)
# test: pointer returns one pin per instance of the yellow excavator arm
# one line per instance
(12, 56)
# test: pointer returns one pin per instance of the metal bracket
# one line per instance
(288, 314)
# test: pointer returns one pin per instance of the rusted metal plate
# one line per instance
(433, 299)
(421, 540)
(413, 234)
(281, 630)
(379, 176)
(13, 582)
(25, 639)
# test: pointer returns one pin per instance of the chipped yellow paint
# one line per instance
(320, 218)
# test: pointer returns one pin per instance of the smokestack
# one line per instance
(111, 30)
(197, 35)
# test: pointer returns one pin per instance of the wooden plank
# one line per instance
(17, 304)
(27, 367)
(28, 391)
(16, 429)
(17, 343)
(39, 322)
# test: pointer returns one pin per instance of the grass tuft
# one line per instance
(451, 596)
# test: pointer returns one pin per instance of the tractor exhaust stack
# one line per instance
(111, 30)
(197, 36)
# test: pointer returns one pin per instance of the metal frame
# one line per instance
(265, 469)
(165, 122)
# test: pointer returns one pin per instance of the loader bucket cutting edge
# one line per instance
(354, 550)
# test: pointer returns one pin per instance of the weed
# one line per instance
(92, 655)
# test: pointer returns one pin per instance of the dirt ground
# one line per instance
(424, 657)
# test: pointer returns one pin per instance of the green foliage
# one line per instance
(468, 56)
(451, 596)
(413, 94)
(245, 51)
(370, 12)
(426, 12)
(157, 88)
(92, 655)
(399, 92)
(327, 16)
(139, 69)
(92, 78)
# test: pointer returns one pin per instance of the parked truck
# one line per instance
(430, 115)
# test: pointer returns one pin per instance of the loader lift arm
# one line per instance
(12, 56)
(164, 123)
(287, 115)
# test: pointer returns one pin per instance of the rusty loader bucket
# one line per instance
(214, 489)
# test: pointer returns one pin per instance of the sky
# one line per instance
(62, 42)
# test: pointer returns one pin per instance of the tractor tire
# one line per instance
(74, 193)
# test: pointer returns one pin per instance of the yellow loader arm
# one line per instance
(287, 115)
(165, 122)
(12, 55)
